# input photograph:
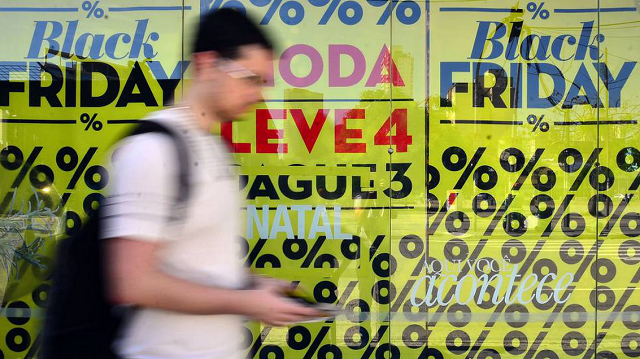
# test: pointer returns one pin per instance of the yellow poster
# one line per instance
(459, 177)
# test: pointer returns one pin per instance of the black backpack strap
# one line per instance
(150, 126)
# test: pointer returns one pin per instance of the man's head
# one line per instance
(231, 59)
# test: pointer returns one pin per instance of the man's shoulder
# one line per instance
(170, 117)
(144, 148)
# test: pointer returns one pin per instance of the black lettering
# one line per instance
(321, 187)
(357, 189)
(168, 87)
(242, 182)
(407, 186)
(492, 93)
(86, 84)
(256, 189)
(50, 93)
(136, 79)
(70, 85)
(356, 184)
(7, 87)
(305, 186)
(515, 87)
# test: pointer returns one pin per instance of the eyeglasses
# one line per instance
(237, 71)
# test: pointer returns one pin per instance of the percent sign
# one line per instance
(91, 122)
(538, 122)
(296, 249)
(95, 177)
(349, 12)
(290, 12)
(604, 299)
(300, 338)
(356, 337)
(92, 9)
(385, 265)
(570, 160)
(407, 12)
(628, 160)
(40, 176)
(485, 178)
(600, 206)
(231, 4)
(538, 10)
(543, 179)
(259, 261)
(455, 159)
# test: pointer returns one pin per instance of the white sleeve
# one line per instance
(142, 190)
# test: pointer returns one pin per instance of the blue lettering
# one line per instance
(533, 85)
(482, 37)
(206, 5)
(556, 46)
(615, 84)
(112, 43)
(39, 37)
(514, 37)
(583, 42)
(69, 36)
(94, 50)
(541, 52)
(158, 71)
(582, 81)
(140, 42)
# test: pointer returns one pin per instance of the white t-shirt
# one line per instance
(203, 247)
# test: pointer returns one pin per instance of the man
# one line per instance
(185, 279)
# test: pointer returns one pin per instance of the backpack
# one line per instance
(80, 323)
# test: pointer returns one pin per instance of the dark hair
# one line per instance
(226, 30)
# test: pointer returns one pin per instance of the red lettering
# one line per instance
(226, 130)
(308, 133)
(342, 133)
(401, 140)
(264, 133)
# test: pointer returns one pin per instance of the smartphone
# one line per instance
(301, 296)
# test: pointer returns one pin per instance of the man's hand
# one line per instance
(134, 278)
(261, 282)
(268, 305)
